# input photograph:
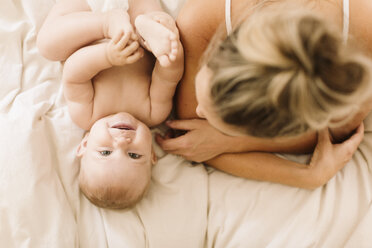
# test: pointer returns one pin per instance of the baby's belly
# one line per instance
(138, 71)
(122, 89)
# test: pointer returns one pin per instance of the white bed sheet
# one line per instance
(40, 203)
(187, 206)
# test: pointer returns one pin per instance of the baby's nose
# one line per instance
(123, 140)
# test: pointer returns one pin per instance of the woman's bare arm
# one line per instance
(326, 161)
(203, 142)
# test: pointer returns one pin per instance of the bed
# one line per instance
(187, 205)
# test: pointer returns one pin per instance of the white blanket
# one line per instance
(187, 206)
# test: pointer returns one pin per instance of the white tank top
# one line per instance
(346, 17)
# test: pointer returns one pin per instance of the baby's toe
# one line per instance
(173, 53)
(172, 57)
(174, 44)
(164, 60)
(173, 36)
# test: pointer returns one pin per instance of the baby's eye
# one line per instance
(105, 153)
(134, 155)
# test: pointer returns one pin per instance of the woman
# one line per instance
(234, 154)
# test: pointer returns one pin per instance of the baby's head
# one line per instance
(116, 160)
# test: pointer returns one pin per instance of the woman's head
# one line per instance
(281, 73)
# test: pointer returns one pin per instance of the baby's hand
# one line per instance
(117, 21)
(120, 50)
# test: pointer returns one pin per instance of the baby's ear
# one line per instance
(154, 158)
(82, 146)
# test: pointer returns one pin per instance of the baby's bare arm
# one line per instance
(78, 72)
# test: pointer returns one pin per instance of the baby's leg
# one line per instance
(160, 35)
(71, 25)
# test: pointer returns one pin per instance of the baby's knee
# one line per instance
(46, 47)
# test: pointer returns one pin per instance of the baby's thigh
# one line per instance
(63, 7)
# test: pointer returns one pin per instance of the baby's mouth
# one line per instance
(122, 126)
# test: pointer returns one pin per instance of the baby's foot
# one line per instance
(158, 38)
(117, 21)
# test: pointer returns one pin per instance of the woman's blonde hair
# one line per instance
(284, 71)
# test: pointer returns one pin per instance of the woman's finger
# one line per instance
(184, 124)
(170, 145)
(349, 146)
(324, 137)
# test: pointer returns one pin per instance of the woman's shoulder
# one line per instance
(361, 22)
(201, 16)
(198, 20)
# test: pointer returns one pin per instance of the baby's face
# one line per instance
(118, 149)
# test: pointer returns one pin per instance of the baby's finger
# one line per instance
(123, 41)
(136, 56)
(117, 37)
(128, 28)
(134, 36)
(131, 48)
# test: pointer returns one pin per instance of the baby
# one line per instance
(117, 90)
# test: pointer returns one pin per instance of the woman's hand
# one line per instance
(201, 142)
(329, 158)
